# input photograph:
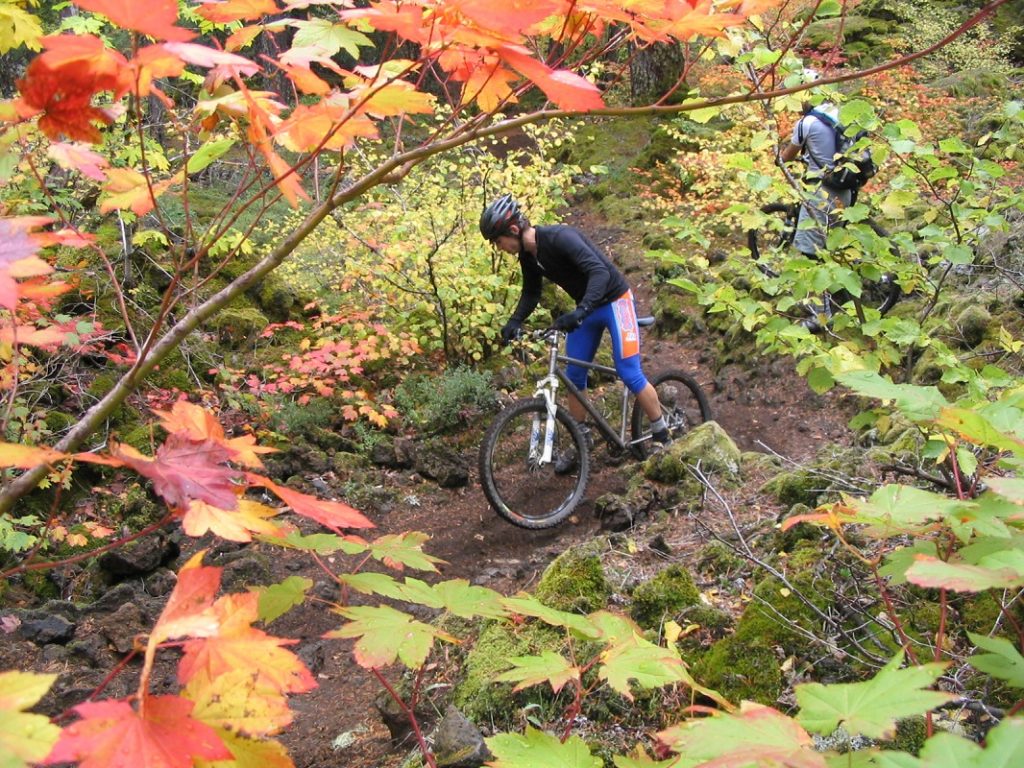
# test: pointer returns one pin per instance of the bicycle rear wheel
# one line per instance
(683, 406)
(518, 485)
(775, 237)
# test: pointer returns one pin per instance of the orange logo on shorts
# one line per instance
(625, 319)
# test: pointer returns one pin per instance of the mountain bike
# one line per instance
(770, 246)
(535, 458)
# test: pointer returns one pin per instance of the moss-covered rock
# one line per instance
(238, 326)
(479, 696)
(796, 487)
(711, 447)
(973, 324)
(741, 670)
(575, 580)
(663, 597)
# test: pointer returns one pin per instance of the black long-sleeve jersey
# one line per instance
(568, 259)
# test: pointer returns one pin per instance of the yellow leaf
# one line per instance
(672, 631)
(18, 27)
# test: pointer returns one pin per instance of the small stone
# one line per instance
(47, 629)
(458, 743)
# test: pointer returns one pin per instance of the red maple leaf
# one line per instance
(236, 10)
(161, 734)
(61, 82)
(154, 17)
(334, 514)
(184, 470)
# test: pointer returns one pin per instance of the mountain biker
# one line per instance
(814, 141)
(603, 299)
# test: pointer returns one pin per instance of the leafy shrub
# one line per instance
(437, 404)
(292, 418)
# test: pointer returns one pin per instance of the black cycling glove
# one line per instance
(570, 321)
(510, 331)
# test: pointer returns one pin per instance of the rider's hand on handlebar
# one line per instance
(570, 321)
(511, 331)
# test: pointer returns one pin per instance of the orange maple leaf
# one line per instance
(310, 126)
(239, 645)
(152, 63)
(126, 188)
(189, 610)
(191, 421)
(237, 10)
(183, 470)
(27, 456)
(334, 514)
(161, 734)
(242, 37)
(239, 524)
(154, 17)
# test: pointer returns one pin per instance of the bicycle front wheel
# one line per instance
(522, 487)
(683, 406)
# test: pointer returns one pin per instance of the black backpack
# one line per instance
(853, 167)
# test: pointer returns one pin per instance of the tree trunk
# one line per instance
(654, 71)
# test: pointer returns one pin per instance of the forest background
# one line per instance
(229, 225)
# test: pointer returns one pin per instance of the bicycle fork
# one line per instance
(542, 445)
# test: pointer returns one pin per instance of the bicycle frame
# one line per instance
(547, 387)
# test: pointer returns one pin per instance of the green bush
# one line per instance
(293, 419)
(442, 403)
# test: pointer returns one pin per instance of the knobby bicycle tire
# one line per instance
(881, 294)
(683, 405)
(521, 490)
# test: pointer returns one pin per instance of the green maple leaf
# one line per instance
(387, 635)
(321, 543)
(328, 38)
(457, 596)
(962, 577)
(536, 749)
(374, 584)
(1002, 661)
(549, 667)
(649, 665)
(24, 738)
(404, 549)
(527, 605)
(1004, 745)
(277, 599)
(871, 708)
(895, 508)
(757, 735)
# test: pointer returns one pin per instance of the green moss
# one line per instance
(911, 734)
(741, 671)
(973, 324)
(719, 559)
(979, 612)
(575, 580)
(59, 422)
(663, 597)
(101, 385)
(478, 696)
